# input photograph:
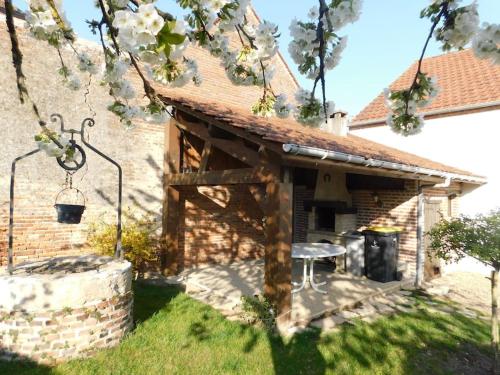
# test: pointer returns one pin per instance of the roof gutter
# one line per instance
(468, 107)
(294, 149)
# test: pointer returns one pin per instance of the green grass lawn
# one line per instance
(178, 335)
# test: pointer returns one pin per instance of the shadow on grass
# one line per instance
(148, 299)
(178, 334)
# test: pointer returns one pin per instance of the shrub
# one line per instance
(139, 240)
(259, 311)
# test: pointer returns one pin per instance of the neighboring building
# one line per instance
(462, 124)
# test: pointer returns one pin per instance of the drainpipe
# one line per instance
(419, 278)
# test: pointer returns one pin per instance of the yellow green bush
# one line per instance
(140, 241)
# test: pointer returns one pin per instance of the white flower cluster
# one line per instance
(70, 79)
(46, 144)
(85, 64)
(113, 75)
(403, 117)
(235, 14)
(151, 113)
(175, 73)
(305, 49)
(138, 30)
(309, 110)
(486, 43)
(282, 108)
(345, 12)
(458, 34)
(41, 22)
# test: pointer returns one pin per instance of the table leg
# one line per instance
(311, 280)
(302, 284)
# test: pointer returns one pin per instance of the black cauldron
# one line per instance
(69, 213)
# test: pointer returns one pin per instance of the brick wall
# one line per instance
(399, 209)
(221, 224)
(39, 178)
(55, 336)
(301, 217)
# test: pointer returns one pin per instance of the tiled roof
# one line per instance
(464, 82)
(283, 131)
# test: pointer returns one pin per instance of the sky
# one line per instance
(387, 38)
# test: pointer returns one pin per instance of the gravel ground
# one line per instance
(471, 290)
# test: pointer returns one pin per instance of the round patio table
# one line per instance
(310, 252)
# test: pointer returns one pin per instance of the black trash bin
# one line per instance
(381, 253)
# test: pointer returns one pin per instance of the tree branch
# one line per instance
(443, 11)
(112, 30)
(17, 61)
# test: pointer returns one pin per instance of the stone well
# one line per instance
(64, 308)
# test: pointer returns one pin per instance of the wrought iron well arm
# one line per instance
(118, 249)
(10, 261)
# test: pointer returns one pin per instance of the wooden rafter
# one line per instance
(205, 155)
(234, 148)
(223, 177)
(242, 133)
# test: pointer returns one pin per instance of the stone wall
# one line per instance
(39, 178)
(55, 336)
(53, 311)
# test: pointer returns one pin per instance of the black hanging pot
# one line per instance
(69, 213)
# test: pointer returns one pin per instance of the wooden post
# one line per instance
(278, 249)
(171, 251)
(171, 204)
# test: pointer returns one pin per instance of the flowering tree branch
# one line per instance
(437, 19)
(137, 34)
(453, 27)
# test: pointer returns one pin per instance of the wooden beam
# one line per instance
(172, 155)
(207, 149)
(223, 177)
(242, 133)
(171, 205)
(236, 149)
(171, 252)
(278, 248)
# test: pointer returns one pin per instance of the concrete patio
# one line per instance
(229, 282)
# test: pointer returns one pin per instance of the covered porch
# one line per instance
(240, 190)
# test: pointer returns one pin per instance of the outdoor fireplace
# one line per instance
(324, 219)
(330, 216)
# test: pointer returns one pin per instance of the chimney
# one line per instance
(337, 124)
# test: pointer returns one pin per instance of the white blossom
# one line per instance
(465, 25)
(282, 109)
(85, 64)
(486, 44)
(347, 11)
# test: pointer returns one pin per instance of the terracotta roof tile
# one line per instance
(283, 131)
(463, 80)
